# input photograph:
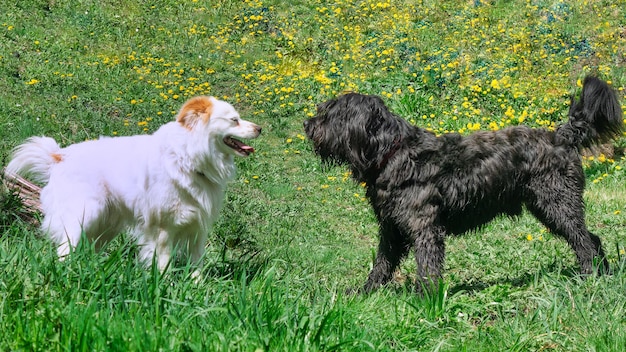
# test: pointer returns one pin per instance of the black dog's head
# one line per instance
(357, 130)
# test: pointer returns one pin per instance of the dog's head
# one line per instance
(357, 130)
(218, 119)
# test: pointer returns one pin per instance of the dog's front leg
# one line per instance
(155, 246)
(391, 249)
(196, 250)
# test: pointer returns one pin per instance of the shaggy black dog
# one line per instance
(423, 187)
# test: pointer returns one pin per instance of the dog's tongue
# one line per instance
(246, 148)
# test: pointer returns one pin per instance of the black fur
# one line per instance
(424, 187)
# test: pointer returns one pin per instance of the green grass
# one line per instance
(294, 235)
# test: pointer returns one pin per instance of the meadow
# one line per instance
(295, 234)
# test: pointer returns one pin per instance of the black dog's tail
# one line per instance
(596, 118)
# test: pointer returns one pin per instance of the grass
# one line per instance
(294, 235)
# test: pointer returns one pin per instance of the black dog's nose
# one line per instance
(305, 123)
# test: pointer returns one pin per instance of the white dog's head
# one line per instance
(218, 119)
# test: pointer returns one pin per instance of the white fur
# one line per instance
(167, 188)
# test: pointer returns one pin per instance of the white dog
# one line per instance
(167, 188)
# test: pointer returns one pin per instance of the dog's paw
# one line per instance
(196, 276)
(353, 291)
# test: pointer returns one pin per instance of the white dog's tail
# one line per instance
(34, 158)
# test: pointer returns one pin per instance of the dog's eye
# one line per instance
(235, 120)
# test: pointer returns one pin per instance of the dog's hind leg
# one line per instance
(65, 222)
(65, 234)
(391, 249)
(429, 247)
(561, 209)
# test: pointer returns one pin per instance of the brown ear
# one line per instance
(195, 110)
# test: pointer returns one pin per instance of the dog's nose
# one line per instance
(258, 129)
(306, 123)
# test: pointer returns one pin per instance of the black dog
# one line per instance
(423, 187)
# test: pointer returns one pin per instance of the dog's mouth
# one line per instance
(238, 146)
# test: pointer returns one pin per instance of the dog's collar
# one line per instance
(390, 154)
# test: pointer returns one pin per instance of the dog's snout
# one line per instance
(258, 129)
(308, 125)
